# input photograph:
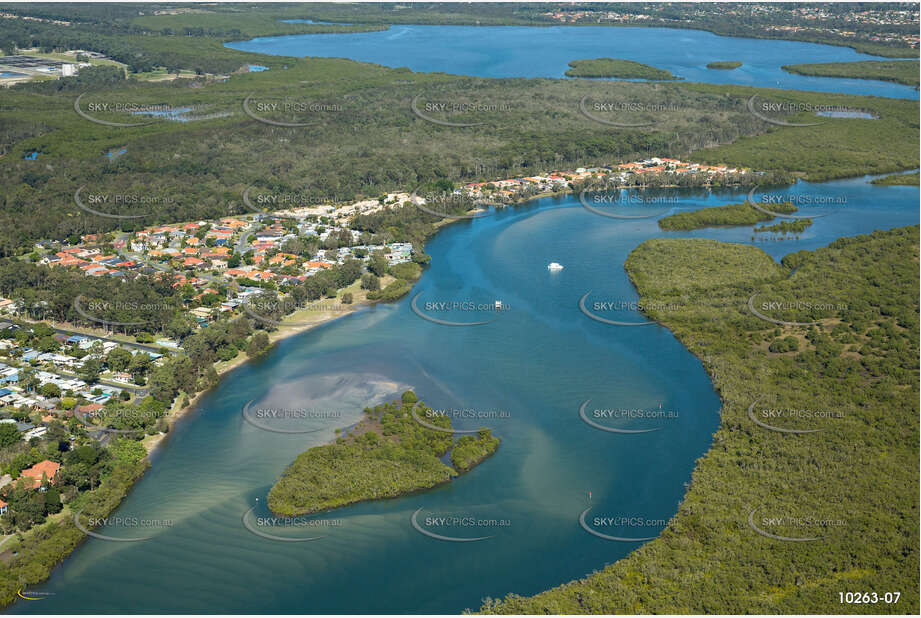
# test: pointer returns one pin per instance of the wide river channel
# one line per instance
(525, 374)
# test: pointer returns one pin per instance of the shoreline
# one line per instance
(153, 444)
(369, 423)
(284, 331)
(900, 52)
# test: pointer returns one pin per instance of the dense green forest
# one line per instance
(192, 170)
(854, 482)
(909, 180)
(901, 71)
(833, 148)
(387, 454)
(616, 67)
(730, 214)
(362, 139)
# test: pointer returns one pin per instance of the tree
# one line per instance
(377, 265)
(52, 500)
(370, 282)
(119, 359)
(126, 451)
(28, 380)
(8, 434)
(258, 344)
(140, 364)
(90, 370)
(50, 390)
(47, 344)
(163, 384)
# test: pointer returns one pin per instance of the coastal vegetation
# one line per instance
(900, 71)
(785, 227)
(94, 474)
(31, 556)
(730, 214)
(387, 454)
(830, 147)
(617, 68)
(909, 180)
(727, 65)
(471, 450)
(187, 171)
(854, 483)
(184, 171)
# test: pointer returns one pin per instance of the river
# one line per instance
(536, 363)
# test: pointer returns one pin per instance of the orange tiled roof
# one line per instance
(48, 468)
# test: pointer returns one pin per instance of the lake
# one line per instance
(526, 51)
(538, 362)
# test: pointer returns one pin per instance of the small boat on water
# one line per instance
(554, 266)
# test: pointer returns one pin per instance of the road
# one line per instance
(139, 346)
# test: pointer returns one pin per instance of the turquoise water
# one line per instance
(522, 51)
(538, 361)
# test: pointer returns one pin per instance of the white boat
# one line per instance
(554, 266)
